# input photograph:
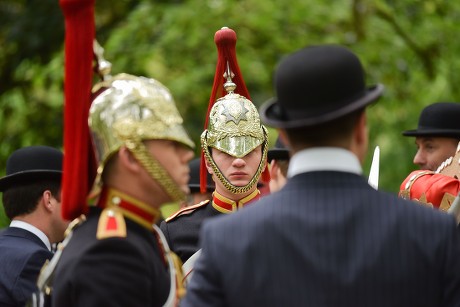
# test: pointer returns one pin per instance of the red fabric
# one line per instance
(225, 40)
(265, 175)
(79, 164)
(149, 217)
(111, 223)
(433, 185)
(229, 206)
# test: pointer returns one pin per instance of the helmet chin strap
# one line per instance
(155, 170)
(226, 183)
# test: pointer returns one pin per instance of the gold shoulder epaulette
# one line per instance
(74, 224)
(187, 210)
(111, 224)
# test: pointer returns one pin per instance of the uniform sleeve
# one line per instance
(205, 288)
(26, 283)
(112, 273)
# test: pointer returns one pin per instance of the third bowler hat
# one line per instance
(278, 152)
(30, 164)
(438, 119)
(194, 182)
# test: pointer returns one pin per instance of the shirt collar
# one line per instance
(26, 226)
(324, 159)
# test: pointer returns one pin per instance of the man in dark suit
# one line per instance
(31, 199)
(437, 134)
(278, 163)
(327, 238)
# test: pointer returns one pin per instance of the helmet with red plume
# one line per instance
(232, 122)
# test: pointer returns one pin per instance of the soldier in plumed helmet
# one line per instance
(234, 151)
(115, 255)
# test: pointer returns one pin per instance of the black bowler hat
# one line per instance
(438, 119)
(278, 152)
(30, 164)
(315, 85)
(194, 182)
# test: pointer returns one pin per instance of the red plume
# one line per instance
(79, 161)
(225, 40)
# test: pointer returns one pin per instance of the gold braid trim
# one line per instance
(155, 169)
(230, 187)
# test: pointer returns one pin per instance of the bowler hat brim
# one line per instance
(272, 115)
(451, 133)
(277, 154)
(28, 176)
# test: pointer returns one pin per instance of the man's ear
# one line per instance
(208, 166)
(360, 129)
(360, 138)
(284, 138)
(46, 200)
(274, 169)
(127, 159)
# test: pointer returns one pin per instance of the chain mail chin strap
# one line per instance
(155, 170)
(230, 187)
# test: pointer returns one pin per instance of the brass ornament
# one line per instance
(446, 202)
(111, 224)
(234, 126)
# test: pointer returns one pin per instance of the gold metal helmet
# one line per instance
(234, 127)
(133, 108)
(129, 110)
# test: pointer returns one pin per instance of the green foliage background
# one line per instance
(408, 45)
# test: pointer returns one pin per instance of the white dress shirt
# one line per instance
(324, 159)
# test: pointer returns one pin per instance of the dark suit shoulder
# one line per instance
(22, 237)
(23, 255)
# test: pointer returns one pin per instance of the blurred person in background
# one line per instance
(32, 201)
(278, 164)
(437, 134)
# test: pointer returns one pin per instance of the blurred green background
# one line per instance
(408, 45)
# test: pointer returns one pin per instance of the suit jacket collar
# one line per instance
(23, 233)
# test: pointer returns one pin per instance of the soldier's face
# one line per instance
(174, 157)
(239, 171)
(432, 151)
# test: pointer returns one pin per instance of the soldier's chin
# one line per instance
(185, 189)
(239, 183)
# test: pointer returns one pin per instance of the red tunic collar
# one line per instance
(130, 207)
(226, 205)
